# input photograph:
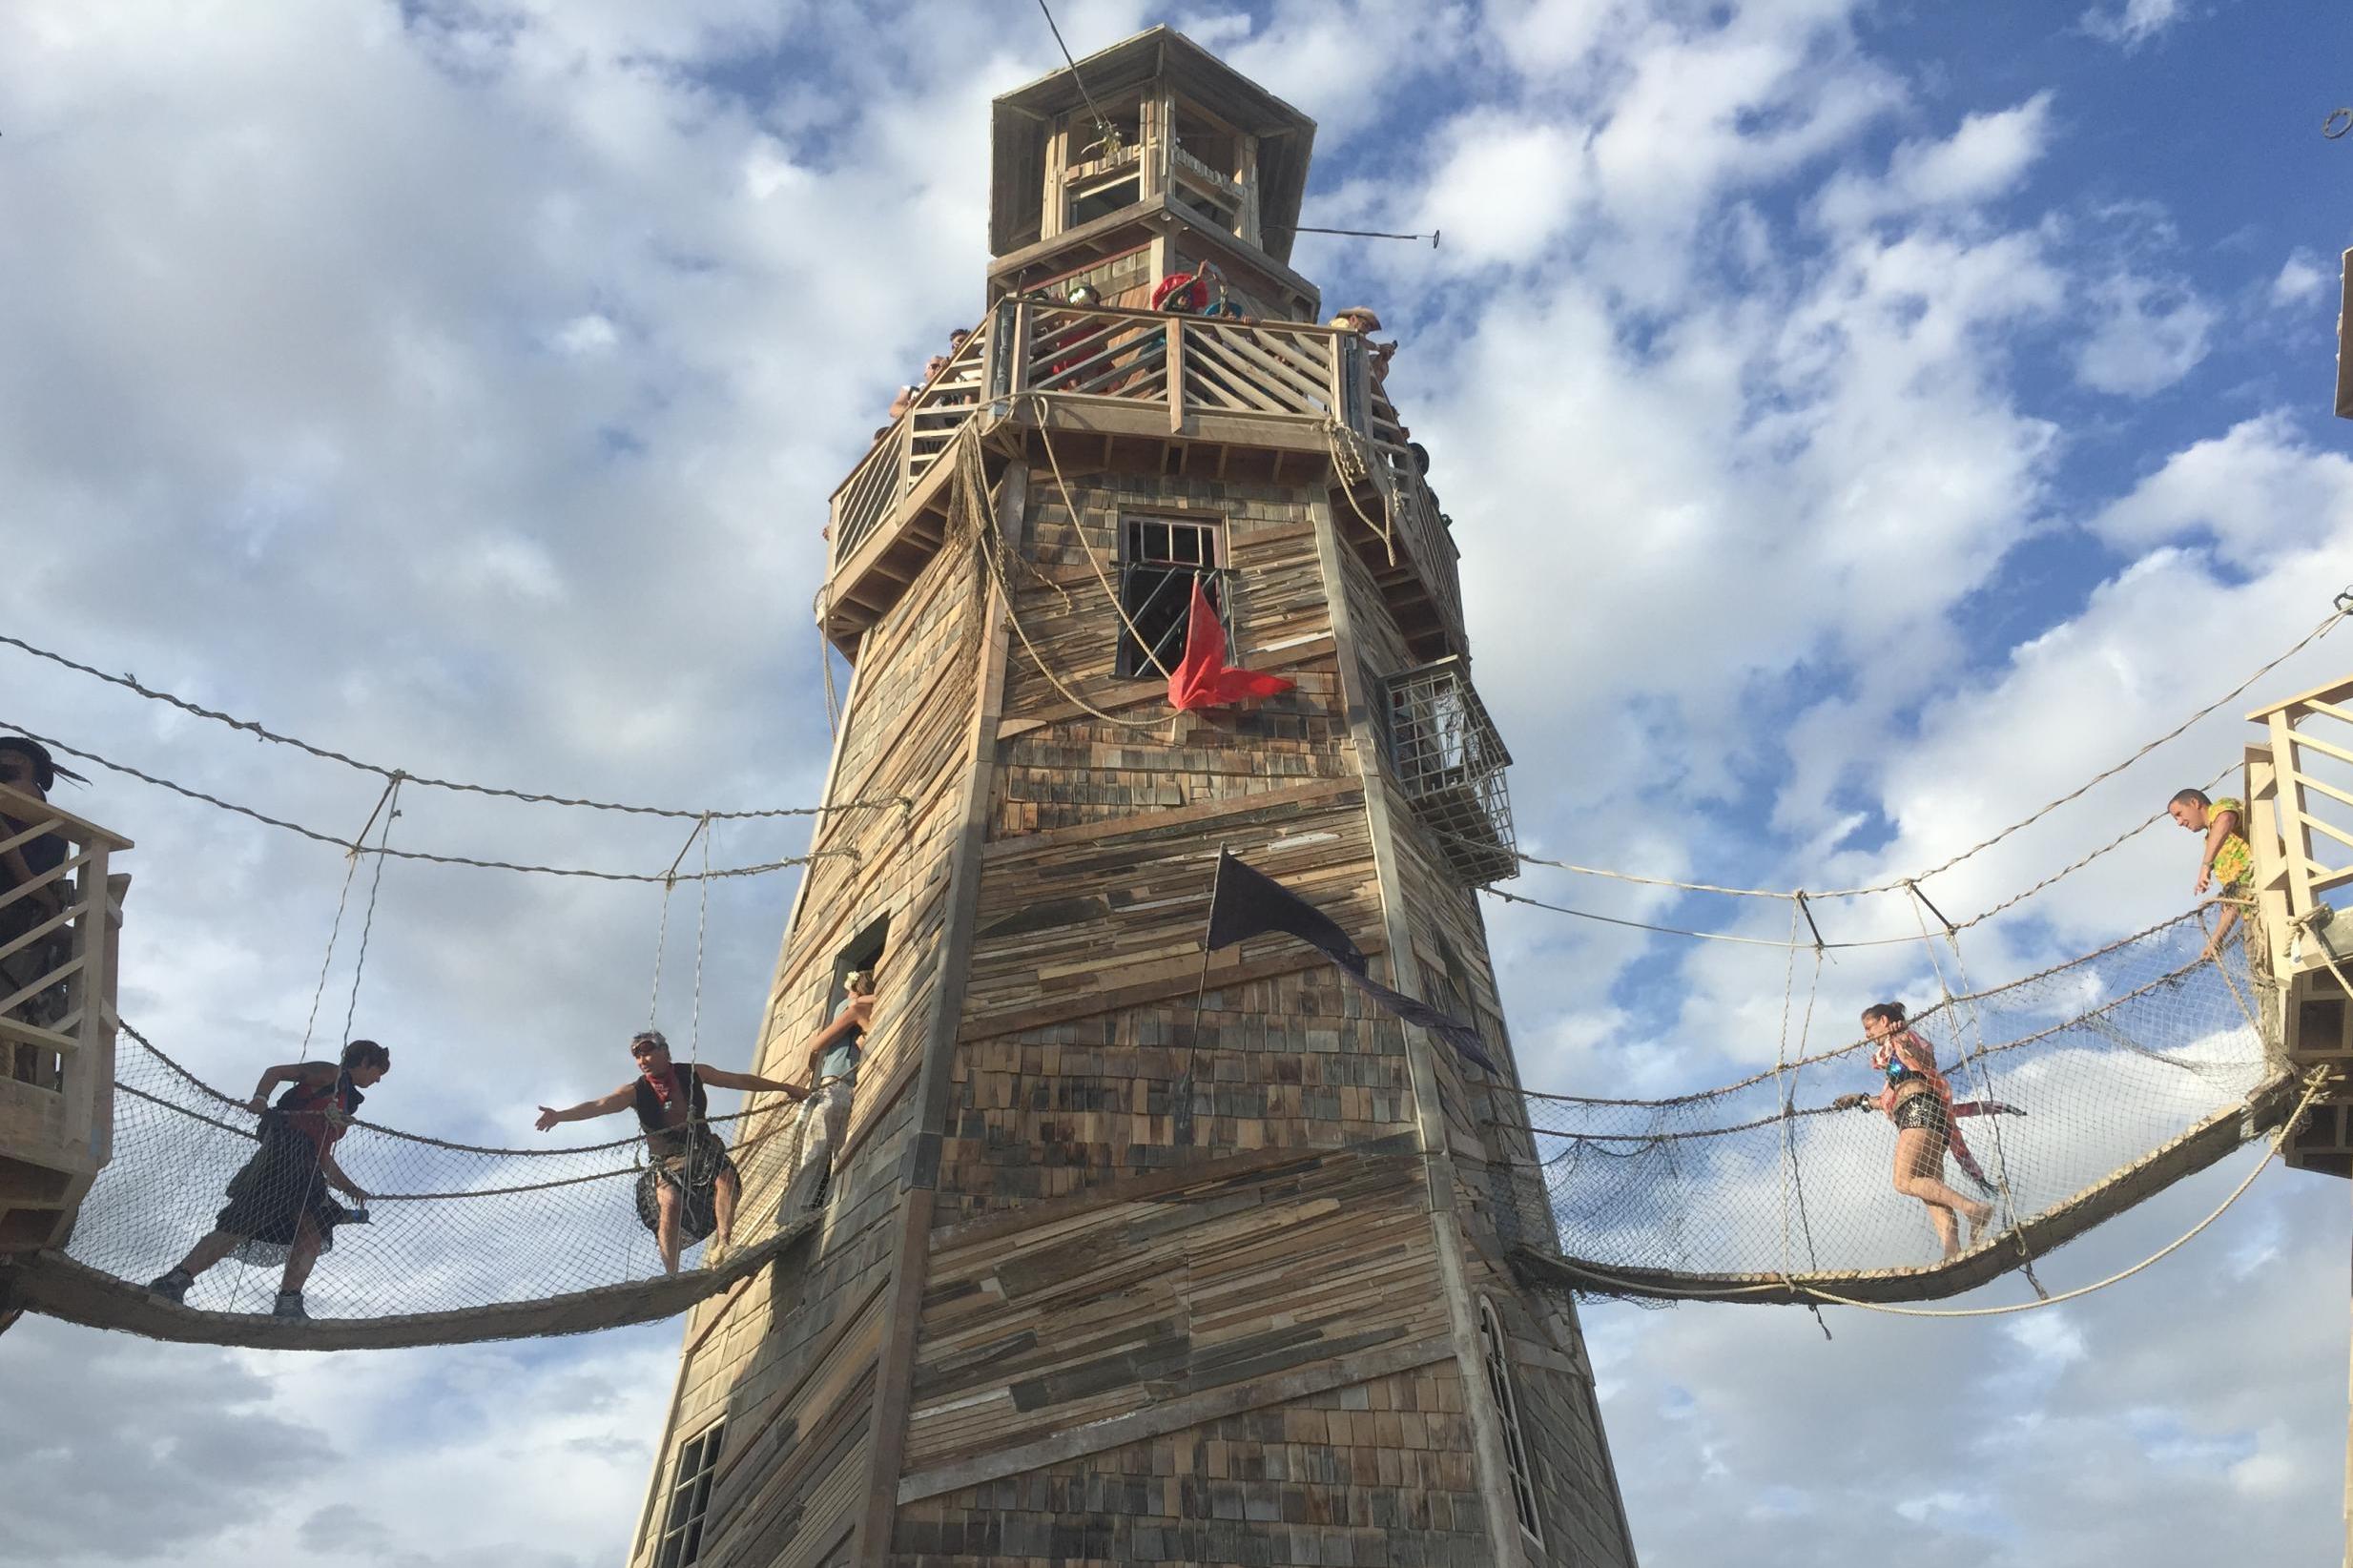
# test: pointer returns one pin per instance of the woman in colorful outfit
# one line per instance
(1919, 1101)
(2228, 864)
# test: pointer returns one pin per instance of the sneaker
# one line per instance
(290, 1305)
(173, 1287)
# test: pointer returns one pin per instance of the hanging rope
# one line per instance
(1985, 1077)
(381, 771)
(351, 868)
(762, 869)
(970, 485)
(367, 924)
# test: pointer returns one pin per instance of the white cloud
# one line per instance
(1985, 158)
(2300, 280)
(2132, 23)
(2255, 489)
(284, 300)
(2148, 334)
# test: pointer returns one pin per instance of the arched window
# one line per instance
(1507, 1406)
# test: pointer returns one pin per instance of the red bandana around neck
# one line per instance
(665, 1083)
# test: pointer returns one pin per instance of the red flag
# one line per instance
(1203, 678)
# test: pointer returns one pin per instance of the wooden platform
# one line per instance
(55, 1286)
(1981, 1264)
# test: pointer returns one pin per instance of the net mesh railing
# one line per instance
(2106, 1060)
(450, 1228)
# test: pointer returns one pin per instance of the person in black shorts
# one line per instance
(1919, 1101)
(279, 1197)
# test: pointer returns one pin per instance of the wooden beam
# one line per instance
(1154, 1420)
(920, 1178)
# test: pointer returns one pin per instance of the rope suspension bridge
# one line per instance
(2081, 1090)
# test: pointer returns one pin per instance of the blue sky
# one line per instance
(1862, 422)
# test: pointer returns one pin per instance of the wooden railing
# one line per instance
(1290, 385)
(907, 452)
(2300, 809)
(57, 961)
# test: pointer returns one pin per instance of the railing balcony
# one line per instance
(1260, 396)
(58, 957)
(1449, 763)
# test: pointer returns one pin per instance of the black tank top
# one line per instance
(650, 1108)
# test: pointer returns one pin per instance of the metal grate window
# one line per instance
(1507, 1406)
(681, 1540)
(1448, 761)
(1160, 560)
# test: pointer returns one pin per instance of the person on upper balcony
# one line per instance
(26, 767)
(1365, 323)
(1185, 293)
(1065, 344)
(2228, 863)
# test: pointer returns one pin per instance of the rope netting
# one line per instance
(2080, 1090)
(451, 1227)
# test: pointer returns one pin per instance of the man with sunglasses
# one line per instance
(691, 1183)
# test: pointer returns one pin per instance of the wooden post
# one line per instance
(1176, 374)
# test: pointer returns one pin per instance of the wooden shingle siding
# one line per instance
(1376, 1472)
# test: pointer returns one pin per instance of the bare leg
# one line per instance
(301, 1256)
(208, 1252)
(723, 1205)
(1919, 1173)
(666, 1225)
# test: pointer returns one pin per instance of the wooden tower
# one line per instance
(1062, 1308)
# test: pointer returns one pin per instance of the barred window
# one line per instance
(681, 1540)
(1507, 1406)
(1160, 560)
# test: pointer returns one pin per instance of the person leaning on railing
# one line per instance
(26, 767)
(1364, 324)
(2228, 862)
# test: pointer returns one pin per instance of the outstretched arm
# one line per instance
(310, 1073)
(2218, 830)
(746, 1081)
(587, 1110)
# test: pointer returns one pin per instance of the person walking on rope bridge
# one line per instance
(1919, 1101)
(834, 1055)
(279, 1197)
(2228, 861)
(691, 1184)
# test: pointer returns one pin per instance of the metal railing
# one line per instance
(1449, 763)
(59, 928)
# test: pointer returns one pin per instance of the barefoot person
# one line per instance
(691, 1183)
(1919, 1101)
(279, 1197)
(2226, 860)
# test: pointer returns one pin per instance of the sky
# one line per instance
(1862, 424)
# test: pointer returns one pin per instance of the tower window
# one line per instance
(1160, 560)
(1507, 1406)
(681, 1540)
